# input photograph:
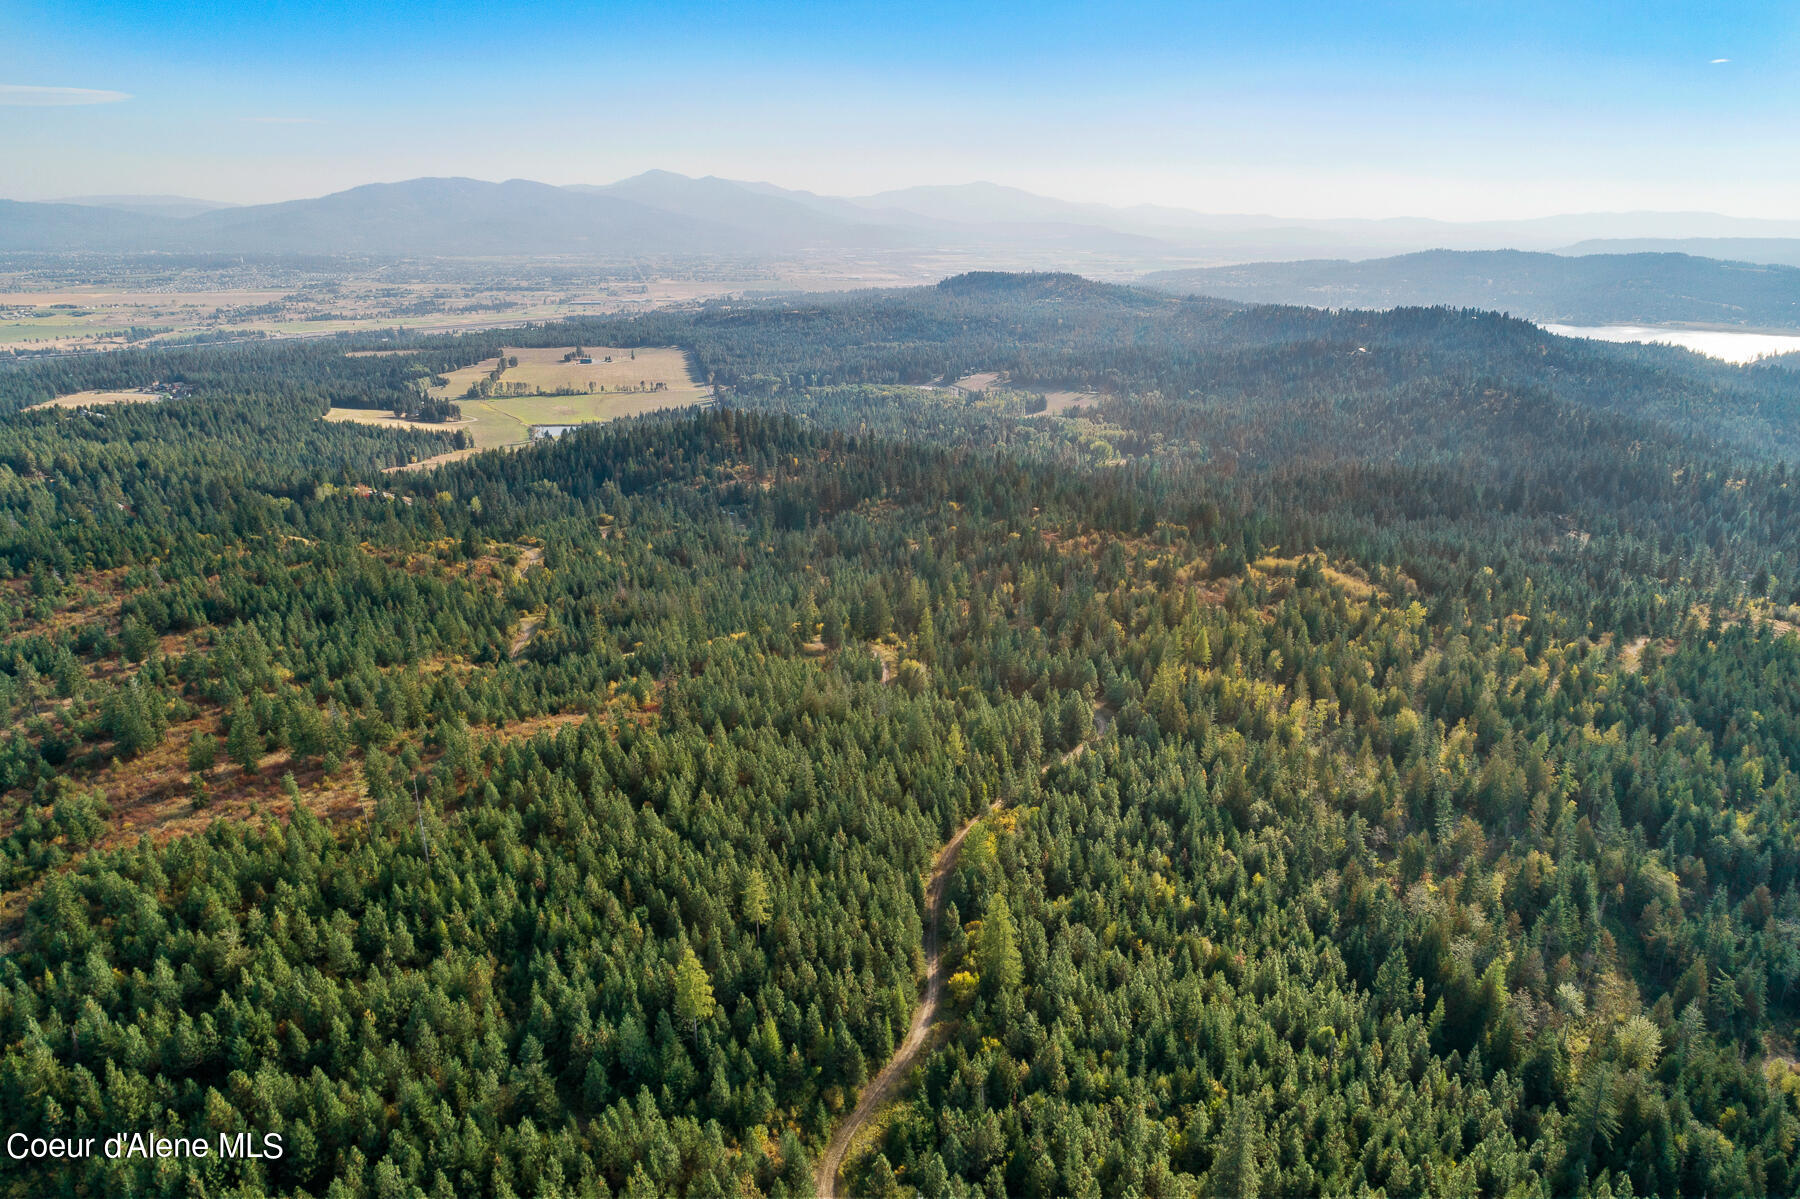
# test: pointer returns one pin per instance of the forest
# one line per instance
(1588, 288)
(1376, 735)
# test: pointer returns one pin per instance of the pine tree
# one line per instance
(1236, 1171)
(997, 953)
(203, 753)
(242, 743)
(754, 901)
(693, 992)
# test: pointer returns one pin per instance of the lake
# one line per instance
(1715, 343)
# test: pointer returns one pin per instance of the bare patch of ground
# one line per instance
(1059, 402)
(386, 419)
(99, 399)
(609, 370)
(888, 656)
(431, 463)
(980, 381)
(527, 627)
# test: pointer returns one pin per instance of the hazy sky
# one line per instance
(1448, 109)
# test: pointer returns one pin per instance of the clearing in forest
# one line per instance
(1058, 402)
(657, 370)
(980, 381)
(555, 387)
(385, 419)
(431, 463)
(96, 399)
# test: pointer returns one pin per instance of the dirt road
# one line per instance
(885, 1084)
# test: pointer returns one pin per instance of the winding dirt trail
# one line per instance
(528, 628)
(883, 1086)
(887, 1083)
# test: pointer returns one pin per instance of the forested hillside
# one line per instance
(1400, 385)
(1379, 735)
(1584, 288)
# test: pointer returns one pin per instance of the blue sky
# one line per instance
(1444, 109)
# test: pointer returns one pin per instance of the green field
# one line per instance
(506, 420)
(15, 332)
(491, 427)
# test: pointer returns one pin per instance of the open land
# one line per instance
(95, 399)
(643, 371)
(58, 305)
(108, 315)
(658, 378)
(655, 379)
(1056, 403)
(387, 420)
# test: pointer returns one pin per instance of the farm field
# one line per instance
(585, 409)
(81, 306)
(435, 460)
(506, 419)
(503, 420)
(491, 427)
(94, 399)
(543, 370)
(1059, 402)
(387, 420)
(98, 317)
(28, 331)
(980, 381)
(80, 311)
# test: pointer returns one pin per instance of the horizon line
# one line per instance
(95, 201)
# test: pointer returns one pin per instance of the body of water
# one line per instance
(1715, 343)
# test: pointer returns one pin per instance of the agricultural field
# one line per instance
(654, 380)
(527, 394)
(100, 317)
(80, 306)
(96, 399)
(484, 421)
(430, 463)
(980, 381)
(56, 306)
(1056, 403)
(491, 427)
(544, 372)
(382, 418)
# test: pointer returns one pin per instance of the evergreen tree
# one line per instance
(693, 992)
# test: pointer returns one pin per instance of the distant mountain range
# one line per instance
(166, 206)
(1775, 251)
(659, 214)
(1592, 289)
(421, 217)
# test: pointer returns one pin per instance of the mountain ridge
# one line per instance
(658, 213)
(1590, 289)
